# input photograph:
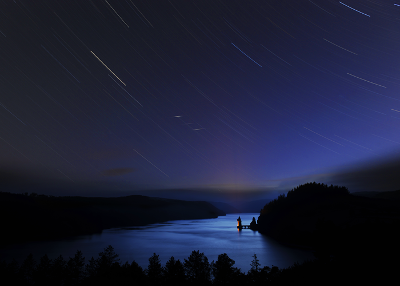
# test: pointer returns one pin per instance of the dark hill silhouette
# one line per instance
(367, 194)
(35, 217)
(389, 195)
(353, 234)
(354, 230)
(227, 208)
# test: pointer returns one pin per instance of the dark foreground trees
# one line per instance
(174, 272)
(223, 271)
(106, 269)
(154, 270)
(196, 270)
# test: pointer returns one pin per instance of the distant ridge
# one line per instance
(393, 195)
(366, 194)
(253, 206)
(227, 208)
(26, 217)
(244, 207)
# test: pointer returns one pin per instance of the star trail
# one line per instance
(198, 94)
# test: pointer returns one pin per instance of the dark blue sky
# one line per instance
(106, 97)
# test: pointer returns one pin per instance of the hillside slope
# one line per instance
(313, 215)
(37, 217)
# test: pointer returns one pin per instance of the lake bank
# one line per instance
(174, 238)
(38, 217)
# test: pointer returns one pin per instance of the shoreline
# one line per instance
(38, 218)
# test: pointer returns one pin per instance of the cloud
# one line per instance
(117, 172)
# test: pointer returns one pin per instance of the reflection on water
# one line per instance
(174, 238)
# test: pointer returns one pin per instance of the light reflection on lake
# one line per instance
(174, 238)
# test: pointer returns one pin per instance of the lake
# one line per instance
(174, 238)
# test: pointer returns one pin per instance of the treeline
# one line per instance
(106, 269)
(306, 193)
(313, 212)
(27, 217)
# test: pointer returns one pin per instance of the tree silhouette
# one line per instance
(154, 270)
(75, 268)
(254, 273)
(91, 267)
(253, 224)
(58, 271)
(42, 273)
(255, 264)
(136, 274)
(198, 268)
(107, 257)
(223, 271)
(26, 271)
(174, 272)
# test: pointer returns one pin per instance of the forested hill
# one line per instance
(314, 213)
(360, 235)
(26, 217)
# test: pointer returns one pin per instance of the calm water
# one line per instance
(174, 238)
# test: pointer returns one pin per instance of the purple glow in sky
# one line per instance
(126, 95)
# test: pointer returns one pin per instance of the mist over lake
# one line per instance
(174, 238)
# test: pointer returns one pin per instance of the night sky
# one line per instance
(110, 96)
